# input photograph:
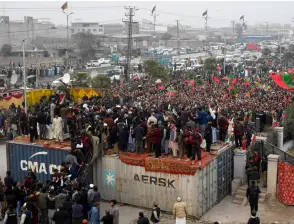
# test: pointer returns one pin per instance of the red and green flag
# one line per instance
(64, 6)
(171, 92)
(190, 81)
(284, 81)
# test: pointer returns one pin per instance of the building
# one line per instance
(91, 27)
(113, 29)
(14, 32)
(135, 28)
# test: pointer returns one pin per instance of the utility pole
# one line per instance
(24, 75)
(129, 14)
(233, 24)
(206, 19)
(225, 53)
(154, 23)
(67, 37)
(178, 36)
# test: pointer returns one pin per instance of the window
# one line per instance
(100, 30)
(94, 30)
(89, 30)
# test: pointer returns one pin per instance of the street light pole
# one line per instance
(67, 38)
(24, 75)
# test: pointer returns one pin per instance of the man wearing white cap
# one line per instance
(180, 211)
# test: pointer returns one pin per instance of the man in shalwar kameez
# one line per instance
(57, 127)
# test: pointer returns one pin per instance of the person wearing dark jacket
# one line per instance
(142, 219)
(61, 216)
(253, 219)
(252, 194)
(108, 218)
(238, 132)
(156, 141)
(77, 213)
(42, 120)
(155, 215)
(33, 127)
(10, 198)
(10, 216)
(43, 206)
(8, 180)
(68, 206)
(139, 135)
(208, 135)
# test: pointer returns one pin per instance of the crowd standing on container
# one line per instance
(147, 119)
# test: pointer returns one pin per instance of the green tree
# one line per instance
(101, 82)
(210, 65)
(266, 52)
(86, 44)
(81, 79)
(155, 70)
(6, 50)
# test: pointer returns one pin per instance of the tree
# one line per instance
(6, 50)
(81, 79)
(101, 82)
(210, 65)
(86, 43)
(155, 70)
(266, 52)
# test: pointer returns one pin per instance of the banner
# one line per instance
(286, 183)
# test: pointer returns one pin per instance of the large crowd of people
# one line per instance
(175, 118)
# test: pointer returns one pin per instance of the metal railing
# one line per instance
(266, 148)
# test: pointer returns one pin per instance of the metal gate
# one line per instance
(225, 169)
(207, 187)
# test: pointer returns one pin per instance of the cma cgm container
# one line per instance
(133, 185)
(21, 157)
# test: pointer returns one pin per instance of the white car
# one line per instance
(119, 69)
(104, 61)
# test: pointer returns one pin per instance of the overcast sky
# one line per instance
(189, 13)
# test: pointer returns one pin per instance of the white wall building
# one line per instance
(91, 27)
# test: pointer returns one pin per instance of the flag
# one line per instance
(233, 81)
(254, 139)
(246, 83)
(190, 81)
(242, 17)
(218, 68)
(160, 87)
(215, 79)
(247, 94)
(234, 91)
(202, 86)
(285, 99)
(205, 13)
(225, 78)
(153, 10)
(64, 6)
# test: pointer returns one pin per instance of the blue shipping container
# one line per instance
(21, 157)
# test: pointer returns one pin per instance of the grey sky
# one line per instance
(189, 13)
